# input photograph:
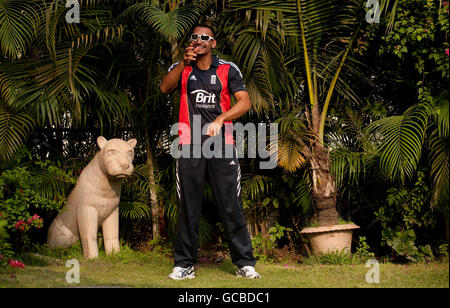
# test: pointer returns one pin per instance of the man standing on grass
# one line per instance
(206, 82)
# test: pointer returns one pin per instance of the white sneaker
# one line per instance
(247, 272)
(180, 273)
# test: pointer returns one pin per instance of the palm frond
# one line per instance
(135, 210)
(400, 140)
(303, 194)
(439, 147)
(19, 23)
(171, 25)
(389, 8)
(11, 81)
(52, 183)
(278, 6)
(326, 65)
(292, 139)
(443, 116)
(440, 153)
(141, 181)
(171, 212)
(259, 88)
(15, 127)
(290, 156)
(347, 166)
(54, 87)
(324, 20)
(110, 103)
(204, 231)
(352, 153)
(96, 26)
(256, 186)
(261, 57)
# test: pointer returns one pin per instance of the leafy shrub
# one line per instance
(5, 247)
(363, 250)
(25, 192)
(403, 243)
(344, 257)
(407, 210)
(443, 251)
(277, 232)
(264, 246)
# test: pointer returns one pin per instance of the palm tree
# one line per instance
(320, 35)
(52, 73)
(260, 48)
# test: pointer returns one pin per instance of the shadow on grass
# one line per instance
(228, 267)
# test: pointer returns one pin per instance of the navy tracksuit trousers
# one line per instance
(225, 176)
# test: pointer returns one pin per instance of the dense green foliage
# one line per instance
(382, 90)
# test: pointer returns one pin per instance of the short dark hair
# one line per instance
(203, 25)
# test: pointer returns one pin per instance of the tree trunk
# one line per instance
(154, 206)
(150, 163)
(250, 229)
(162, 222)
(255, 229)
(263, 229)
(324, 193)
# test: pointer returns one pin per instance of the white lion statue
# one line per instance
(94, 201)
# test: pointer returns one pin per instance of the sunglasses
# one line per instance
(203, 37)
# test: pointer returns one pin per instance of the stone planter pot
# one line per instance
(329, 239)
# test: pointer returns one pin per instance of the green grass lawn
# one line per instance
(149, 270)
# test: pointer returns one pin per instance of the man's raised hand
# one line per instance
(189, 54)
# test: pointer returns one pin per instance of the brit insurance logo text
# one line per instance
(201, 96)
(204, 99)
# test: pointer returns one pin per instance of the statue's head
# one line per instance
(116, 156)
